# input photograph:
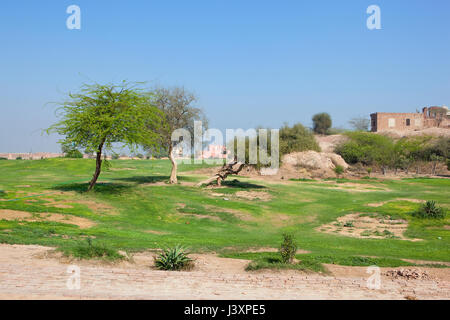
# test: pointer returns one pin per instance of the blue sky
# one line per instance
(250, 62)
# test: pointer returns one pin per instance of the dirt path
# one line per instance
(33, 272)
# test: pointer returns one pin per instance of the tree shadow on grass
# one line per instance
(235, 183)
(100, 187)
(150, 179)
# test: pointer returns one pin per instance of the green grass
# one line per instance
(91, 250)
(150, 214)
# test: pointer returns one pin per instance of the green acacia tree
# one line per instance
(99, 116)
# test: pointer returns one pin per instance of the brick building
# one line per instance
(430, 117)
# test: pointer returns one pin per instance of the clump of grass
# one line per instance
(430, 210)
(288, 248)
(354, 260)
(339, 170)
(386, 233)
(90, 250)
(365, 233)
(277, 264)
(349, 224)
(176, 258)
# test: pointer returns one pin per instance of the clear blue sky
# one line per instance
(250, 62)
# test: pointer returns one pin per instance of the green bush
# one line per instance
(19, 158)
(74, 154)
(288, 248)
(430, 210)
(2, 158)
(366, 148)
(91, 251)
(296, 139)
(176, 258)
(339, 170)
(292, 139)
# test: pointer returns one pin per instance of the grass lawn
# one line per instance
(132, 209)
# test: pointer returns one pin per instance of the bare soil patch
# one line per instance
(427, 262)
(34, 272)
(329, 143)
(97, 207)
(254, 195)
(156, 232)
(10, 215)
(354, 187)
(359, 225)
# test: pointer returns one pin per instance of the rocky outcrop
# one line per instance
(314, 160)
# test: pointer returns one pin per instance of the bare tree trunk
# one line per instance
(232, 168)
(173, 173)
(98, 167)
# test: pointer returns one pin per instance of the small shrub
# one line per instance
(430, 210)
(19, 158)
(2, 158)
(339, 170)
(349, 224)
(92, 251)
(74, 154)
(288, 248)
(176, 258)
(369, 171)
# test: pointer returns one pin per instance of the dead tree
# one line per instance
(232, 168)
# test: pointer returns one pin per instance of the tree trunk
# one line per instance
(173, 173)
(232, 168)
(98, 167)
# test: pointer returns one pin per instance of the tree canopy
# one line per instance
(359, 124)
(321, 123)
(99, 116)
(179, 110)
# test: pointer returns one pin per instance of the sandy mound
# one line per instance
(329, 143)
(10, 215)
(314, 160)
(368, 226)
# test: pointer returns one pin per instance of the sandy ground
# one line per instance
(35, 272)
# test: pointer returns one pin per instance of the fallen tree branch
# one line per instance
(232, 168)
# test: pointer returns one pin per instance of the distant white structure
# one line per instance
(31, 156)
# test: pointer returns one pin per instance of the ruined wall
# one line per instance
(397, 121)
